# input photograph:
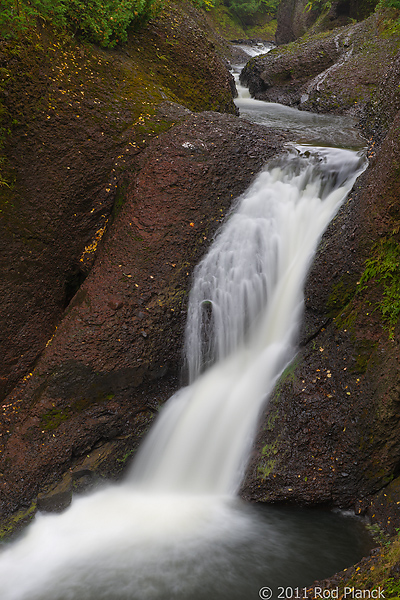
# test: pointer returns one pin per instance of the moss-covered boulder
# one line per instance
(331, 72)
(73, 121)
(117, 352)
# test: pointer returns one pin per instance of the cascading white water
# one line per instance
(134, 540)
(243, 316)
(174, 528)
(250, 51)
(304, 126)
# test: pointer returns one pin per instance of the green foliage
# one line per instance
(244, 9)
(392, 588)
(318, 5)
(392, 19)
(206, 4)
(379, 536)
(389, 4)
(103, 22)
(270, 6)
(384, 269)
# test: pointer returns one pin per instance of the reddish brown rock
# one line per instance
(73, 120)
(116, 355)
(331, 432)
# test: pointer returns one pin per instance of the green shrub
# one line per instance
(206, 4)
(244, 9)
(103, 22)
(384, 269)
(318, 5)
(389, 4)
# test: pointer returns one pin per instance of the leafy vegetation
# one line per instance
(392, 588)
(389, 4)
(318, 4)
(261, 25)
(378, 571)
(103, 22)
(246, 9)
(379, 536)
(384, 269)
(206, 4)
(392, 21)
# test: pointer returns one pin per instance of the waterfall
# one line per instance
(243, 317)
(174, 528)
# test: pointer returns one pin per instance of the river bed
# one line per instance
(175, 527)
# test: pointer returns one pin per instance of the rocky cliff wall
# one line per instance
(298, 17)
(330, 434)
(111, 191)
(293, 20)
(74, 119)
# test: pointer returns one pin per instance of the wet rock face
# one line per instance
(295, 17)
(117, 353)
(77, 118)
(333, 72)
(330, 432)
(293, 20)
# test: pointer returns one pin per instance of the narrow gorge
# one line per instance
(101, 237)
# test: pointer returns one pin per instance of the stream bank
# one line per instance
(40, 411)
(59, 202)
(330, 433)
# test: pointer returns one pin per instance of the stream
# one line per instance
(175, 528)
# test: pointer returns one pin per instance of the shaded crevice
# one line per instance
(73, 282)
(316, 333)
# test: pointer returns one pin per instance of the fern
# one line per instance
(384, 269)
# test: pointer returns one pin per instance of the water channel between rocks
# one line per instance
(175, 529)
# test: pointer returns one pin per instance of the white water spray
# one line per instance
(175, 520)
(244, 313)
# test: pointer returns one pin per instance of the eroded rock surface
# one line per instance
(74, 119)
(116, 354)
(330, 432)
(332, 72)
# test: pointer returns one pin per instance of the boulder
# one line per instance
(117, 353)
(330, 431)
(332, 72)
(73, 120)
